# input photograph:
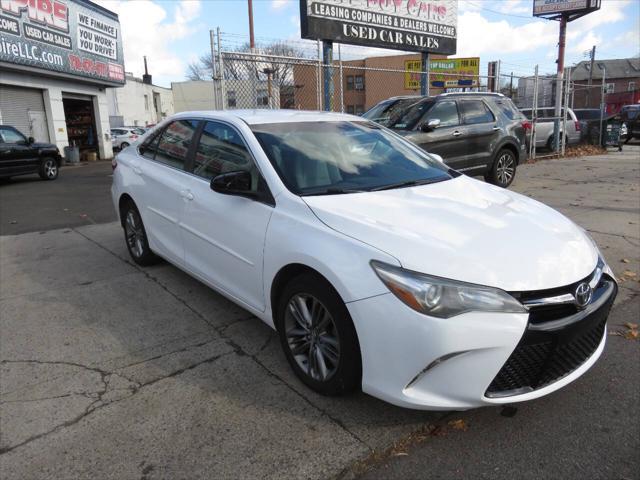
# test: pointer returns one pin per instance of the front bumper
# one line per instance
(415, 361)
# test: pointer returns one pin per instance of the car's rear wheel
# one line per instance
(48, 169)
(135, 236)
(503, 170)
(123, 145)
(318, 336)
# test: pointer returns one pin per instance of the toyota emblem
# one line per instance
(583, 295)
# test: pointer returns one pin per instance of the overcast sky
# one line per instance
(171, 33)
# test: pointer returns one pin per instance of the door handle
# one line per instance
(187, 195)
(496, 128)
(457, 133)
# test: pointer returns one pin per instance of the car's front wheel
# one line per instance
(48, 169)
(318, 336)
(503, 170)
(123, 145)
(135, 236)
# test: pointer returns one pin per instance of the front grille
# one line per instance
(553, 345)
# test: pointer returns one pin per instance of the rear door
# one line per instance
(482, 133)
(448, 139)
(224, 234)
(163, 182)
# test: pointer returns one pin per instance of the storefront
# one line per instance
(57, 57)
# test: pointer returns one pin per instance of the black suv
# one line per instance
(475, 133)
(20, 155)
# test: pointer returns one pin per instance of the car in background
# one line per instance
(122, 137)
(475, 133)
(544, 126)
(630, 115)
(379, 267)
(20, 155)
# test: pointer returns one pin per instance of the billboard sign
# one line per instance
(409, 25)
(71, 37)
(444, 73)
(542, 8)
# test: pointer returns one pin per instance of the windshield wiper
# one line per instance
(407, 183)
(333, 191)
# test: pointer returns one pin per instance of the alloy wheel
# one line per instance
(134, 233)
(50, 169)
(312, 337)
(505, 168)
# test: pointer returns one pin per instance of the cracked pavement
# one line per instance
(108, 370)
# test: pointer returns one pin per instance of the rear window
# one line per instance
(508, 109)
(587, 114)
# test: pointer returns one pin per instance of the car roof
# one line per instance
(260, 116)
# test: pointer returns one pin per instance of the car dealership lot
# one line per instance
(109, 370)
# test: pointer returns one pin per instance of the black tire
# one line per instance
(49, 169)
(345, 374)
(123, 145)
(503, 170)
(135, 236)
(550, 144)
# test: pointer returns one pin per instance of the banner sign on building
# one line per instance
(72, 37)
(543, 8)
(444, 73)
(410, 25)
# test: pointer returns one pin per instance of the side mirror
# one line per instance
(30, 140)
(233, 183)
(437, 157)
(431, 125)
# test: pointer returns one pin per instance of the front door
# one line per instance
(448, 139)
(224, 234)
(17, 156)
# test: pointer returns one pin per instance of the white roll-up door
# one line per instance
(15, 105)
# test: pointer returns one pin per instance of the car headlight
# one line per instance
(443, 298)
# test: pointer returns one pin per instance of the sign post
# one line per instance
(424, 77)
(327, 60)
(565, 11)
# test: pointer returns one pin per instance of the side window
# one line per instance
(150, 146)
(475, 111)
(174, 143)
(508, 109)
(9, 135)
(221, 150)
(446, 112)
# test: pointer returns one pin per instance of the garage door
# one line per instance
(20, 107)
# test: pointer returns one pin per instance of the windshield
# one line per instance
(587, 114)
(320, 158)
(387, 113)
(407, 115)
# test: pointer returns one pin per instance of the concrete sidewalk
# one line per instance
(112, 371)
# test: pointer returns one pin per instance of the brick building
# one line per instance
(364, 82)
(622, 83)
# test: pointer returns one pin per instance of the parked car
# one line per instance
(545, 124)
(475, 133)
(631, 117)
(379, 267)
(20, 155)
(122, 137)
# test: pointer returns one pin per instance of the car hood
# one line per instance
(466, 230)
(48, 146)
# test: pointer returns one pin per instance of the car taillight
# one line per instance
(578, 127)
(133, 136)
(526, 125)
(114, 163)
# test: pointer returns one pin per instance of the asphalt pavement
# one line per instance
(108, 370)
(79, 196)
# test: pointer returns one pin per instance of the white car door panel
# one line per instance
(165, 182)
(223, 234)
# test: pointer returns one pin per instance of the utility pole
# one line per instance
(213, 70)
(593, 57)
(511, 86)
(327, 60)
(602, 101)
(252, 42)
(424, 75)
(559, 78)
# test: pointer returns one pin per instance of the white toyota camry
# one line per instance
(379, 267)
